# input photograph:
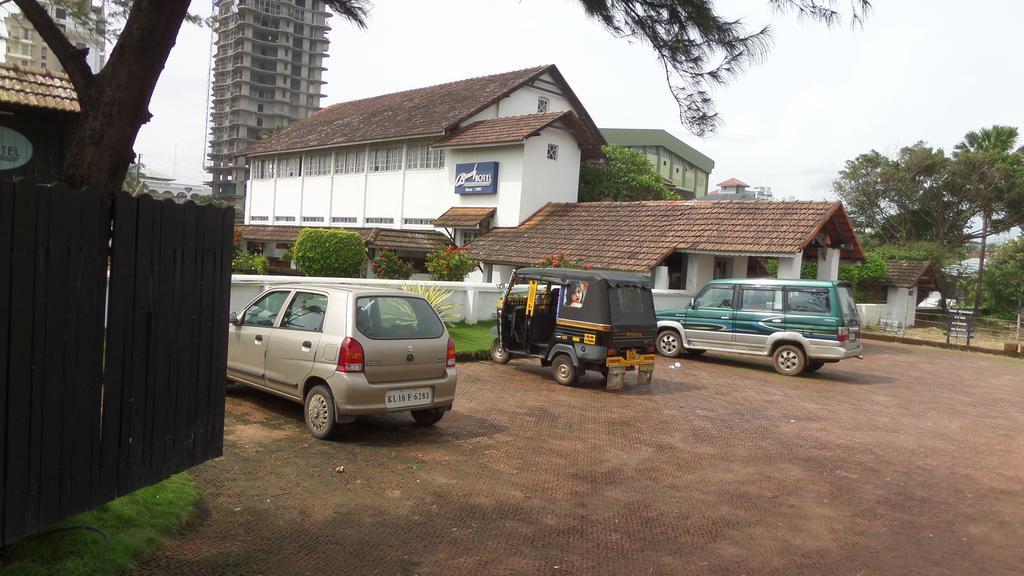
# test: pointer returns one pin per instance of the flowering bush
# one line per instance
(559, 260)
(451, 263)
(389, 266)
(250, 263)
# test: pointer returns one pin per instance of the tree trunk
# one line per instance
(116, 105)
(985, 217)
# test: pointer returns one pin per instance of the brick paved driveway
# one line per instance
(909, 462)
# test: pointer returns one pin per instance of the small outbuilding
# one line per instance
(38, 112)
(907, 283)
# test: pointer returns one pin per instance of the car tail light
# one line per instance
(613, 351)
(844, 334)
(451, 352)
(351, 357)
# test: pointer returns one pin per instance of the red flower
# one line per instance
(586, 266)
(554, 263)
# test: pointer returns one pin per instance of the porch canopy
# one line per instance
(638, 236)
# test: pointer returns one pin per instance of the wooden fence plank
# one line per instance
(134, 435)
(206, 311)
(220, 332)
(6, 271)
(69, 387)
(186, 383)
(165, 314)
(19, 392)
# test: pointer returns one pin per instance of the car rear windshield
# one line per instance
(397, 318)
(847, 302)
(631, 305)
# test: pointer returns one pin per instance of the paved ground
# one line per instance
(909, 462)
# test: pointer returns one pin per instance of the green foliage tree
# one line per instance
(698, 49)
(626, 175)
(1005, 280)
(250, 263)
(329, 253)
(388, 266)
(450, 264)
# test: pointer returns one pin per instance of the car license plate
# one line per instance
(408, 397)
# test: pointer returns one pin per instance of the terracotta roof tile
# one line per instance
(384, 238)
(505, 130)
(37, 88)
(636, 236)
(464, 217)
(908, 273)
(733, 182)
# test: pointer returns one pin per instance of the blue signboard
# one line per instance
(476, 178)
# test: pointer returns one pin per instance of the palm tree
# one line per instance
(991, 171)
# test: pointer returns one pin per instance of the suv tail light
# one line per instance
(351, 357)
(844, 334)
(451, 353)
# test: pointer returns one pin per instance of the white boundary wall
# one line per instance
(478, 300)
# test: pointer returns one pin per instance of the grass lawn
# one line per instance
(135, 523)
(472, 337)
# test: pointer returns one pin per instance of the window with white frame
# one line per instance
(289, 167)
(542, 105)
(259, 218)
(469, 235)
(343, 219)
(552, 151)
(418, 221)
(352, 161)
(317, 164)
(422, 156)
(380, 220)
(312, 218)
(284, 218)
(263, 169)
(387, 159)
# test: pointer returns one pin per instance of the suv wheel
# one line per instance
(789, 360)
(498, 354)
(669, 343)
(428, 417)
(320, 411)
(563, 370)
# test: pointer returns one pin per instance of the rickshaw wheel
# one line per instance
(498, 354)
(563, 370)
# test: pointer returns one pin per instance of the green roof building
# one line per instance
(677, 162)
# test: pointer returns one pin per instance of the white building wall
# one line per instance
(510, 182)
(348, 198)
(384, 197)
(316, 199)
(522, 101)
(287, 199)
(260, 200)
(549, 180)
(424, 191)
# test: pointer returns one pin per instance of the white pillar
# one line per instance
(828, 263)
(470, 315)
(789, 267)
(661, 278)
(739, 267)
(700, 269)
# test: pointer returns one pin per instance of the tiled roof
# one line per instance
(37, 89)
(505, 130)
(733, 182)
(384, 238)
(637, 236)
(908, 273)
(464, 217)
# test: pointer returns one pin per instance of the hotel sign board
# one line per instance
(15, 149)
(476, 178)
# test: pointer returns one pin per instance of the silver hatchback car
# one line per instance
(345, 352)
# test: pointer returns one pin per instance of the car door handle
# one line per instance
(725, 318)
(777, 321)
(259, 338)
(307, 344)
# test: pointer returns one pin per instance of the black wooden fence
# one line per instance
(106, 387)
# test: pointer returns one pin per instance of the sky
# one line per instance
(927, 70)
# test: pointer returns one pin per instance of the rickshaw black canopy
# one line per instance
(597, 307)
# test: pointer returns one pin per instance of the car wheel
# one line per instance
(813, 366)
(320, 411)
(695, 351)
(498, 354)
(789, 360)
(428, 417)
(563, 370)
(669, 343)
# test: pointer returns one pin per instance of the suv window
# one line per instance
(808, 301)
(264, 311)
(305, 312)
(715, 297)
(761, 300)
(397, 318)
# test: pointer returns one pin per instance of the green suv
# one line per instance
(801, 324)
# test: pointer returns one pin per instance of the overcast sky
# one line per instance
(918, 70)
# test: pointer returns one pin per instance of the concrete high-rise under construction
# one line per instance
(267, 72)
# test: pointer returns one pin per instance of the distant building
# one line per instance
(735, 189)
(267, 74)
(685, 170)
(26, 48)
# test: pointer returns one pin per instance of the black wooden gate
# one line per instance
(106, 386)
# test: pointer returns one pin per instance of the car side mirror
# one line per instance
(235, 319)
(693, 305)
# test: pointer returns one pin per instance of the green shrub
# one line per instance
(334, 253)
(388, 266)
(438, 298)
(451, 264)
(250, 263)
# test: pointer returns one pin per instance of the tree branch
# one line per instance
(71, 58)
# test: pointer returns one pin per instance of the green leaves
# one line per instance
(625, 176)
(330, 253)
(439, 299)
(250, 263)
(450, 264)
(388, 266)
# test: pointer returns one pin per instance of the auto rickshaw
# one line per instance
(578, 320)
